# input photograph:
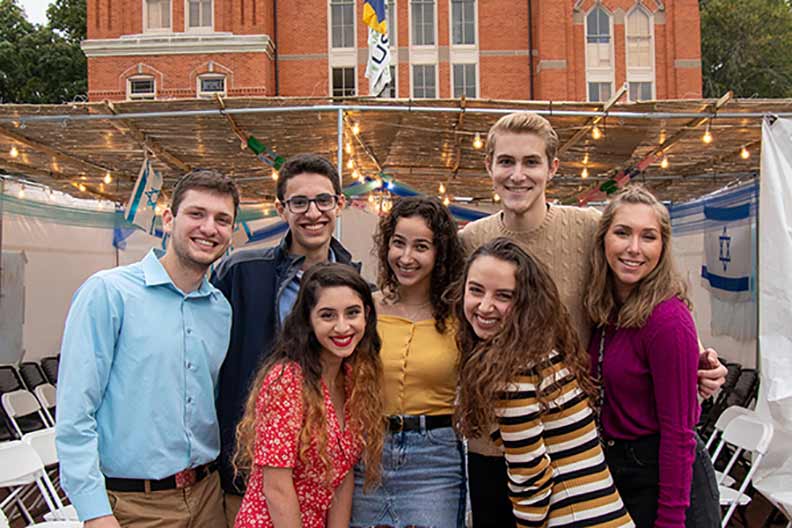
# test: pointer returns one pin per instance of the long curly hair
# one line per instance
(298, 344)
(449, 259)
(537, 323)
(660, 284)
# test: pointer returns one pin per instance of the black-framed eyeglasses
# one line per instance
(301, 204)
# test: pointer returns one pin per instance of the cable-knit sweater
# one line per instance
(562, 243)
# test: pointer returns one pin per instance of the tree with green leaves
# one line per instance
(42, 64)
(746, 47)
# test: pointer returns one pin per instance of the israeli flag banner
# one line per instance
(141, 208)
(728, 252)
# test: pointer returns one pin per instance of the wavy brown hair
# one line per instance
(297, 343)
(537, 323)
(660, 284)
(449, 255)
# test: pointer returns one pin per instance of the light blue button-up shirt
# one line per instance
(137, 378)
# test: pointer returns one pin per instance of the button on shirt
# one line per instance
(137, 378)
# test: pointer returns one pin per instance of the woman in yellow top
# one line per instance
(423, 471)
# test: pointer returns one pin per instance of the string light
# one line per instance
(348, 148)
(355, 128)
(275, 174)
(361, 179)
(21, 193)
(584, 173)
(477, 143)
(55, 166)
(81, 187)
(350, 164)
(108, 178)
(496, 197)
(745, 153)
(371, 198)
(585, 158)
(596, 133)
(13, 152)
(664, 162)
(441, 189)
(707, 137)
(446, 201)
(356, 174)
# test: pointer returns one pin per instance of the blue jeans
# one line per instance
(423, 482)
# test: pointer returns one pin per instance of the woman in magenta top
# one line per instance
(645, 353)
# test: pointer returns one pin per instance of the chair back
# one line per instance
(21, 403)
(729, 414)
(46, 395)
(50, 367)
(9, 379)
(31, 374)
(19, 462)
(43, 442)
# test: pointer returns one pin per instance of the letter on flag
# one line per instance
(140, 210)
(378, 67)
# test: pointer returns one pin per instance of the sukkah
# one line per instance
(96, 149)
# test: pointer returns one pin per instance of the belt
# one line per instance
(397, 424)
(182, 479)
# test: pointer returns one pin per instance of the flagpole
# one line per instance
(340, 157)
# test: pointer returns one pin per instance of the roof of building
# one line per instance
(421, 143)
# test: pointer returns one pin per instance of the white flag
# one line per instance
(379, 59)
(141, 208)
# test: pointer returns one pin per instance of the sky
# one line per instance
(36, 10)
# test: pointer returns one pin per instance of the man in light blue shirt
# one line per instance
(137, 431)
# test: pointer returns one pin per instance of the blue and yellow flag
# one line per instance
(374, 15)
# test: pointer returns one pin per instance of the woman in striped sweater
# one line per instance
(522, 367)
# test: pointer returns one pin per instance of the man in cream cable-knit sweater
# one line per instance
(521, 160)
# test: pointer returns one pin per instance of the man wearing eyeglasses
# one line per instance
(262, 286)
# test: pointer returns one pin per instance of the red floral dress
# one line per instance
(279, 418)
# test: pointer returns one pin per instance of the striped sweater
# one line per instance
(556, 467)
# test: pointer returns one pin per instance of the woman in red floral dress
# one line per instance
(315, 408)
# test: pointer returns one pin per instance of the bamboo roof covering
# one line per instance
(421, 143)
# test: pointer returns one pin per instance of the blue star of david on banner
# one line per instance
(725, 249)
(152, 197)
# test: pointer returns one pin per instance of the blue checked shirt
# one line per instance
(138, 374)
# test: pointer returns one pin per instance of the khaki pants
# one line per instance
(197, 506)
(232, 505)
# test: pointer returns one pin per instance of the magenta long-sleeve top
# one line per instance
(649, 375)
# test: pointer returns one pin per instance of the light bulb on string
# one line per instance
(707, 137)
(584, 173)
(596, 133)
(275, 174)
(496, 197)
(108, 178)
(745, 153)
(371, 198)
(350, 164)
(355, 174)
(361, 179)
(477, 142)
(355, 128)
(81, 187)
(348, 147)
(446, 201)
(441, 189)
(664, 162)
(14, 152)
(585, 158)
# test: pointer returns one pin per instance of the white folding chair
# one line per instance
(21, 403)
(744, 433)
(45, 394)
(55, 524)
(43, 442)
(728, 414)
(21, 466)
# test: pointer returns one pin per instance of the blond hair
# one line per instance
(662, 283)
(524, 123)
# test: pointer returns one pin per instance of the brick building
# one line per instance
(581, 49)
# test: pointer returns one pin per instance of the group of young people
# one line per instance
(557, 341)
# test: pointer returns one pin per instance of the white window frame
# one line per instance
(475, 77)
(409, 21)
(197, 29)
(394, 81)
(141, 97)
(147, 29)
(330, 26)
(354, 79)
(208, 76)
(451, 26)
(595, 74)
(640, 74)
(412, 80)
(393, 24)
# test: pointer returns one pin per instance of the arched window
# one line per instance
(640, 54)
(599, 54)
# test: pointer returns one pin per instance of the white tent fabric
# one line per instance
(775, 300)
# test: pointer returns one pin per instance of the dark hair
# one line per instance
(302, 163)
(207, 180)
(297, 343)
(537, 324)
(449, 255)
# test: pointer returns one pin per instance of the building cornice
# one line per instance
(177, 44)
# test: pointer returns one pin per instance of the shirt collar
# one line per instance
(156, 275)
